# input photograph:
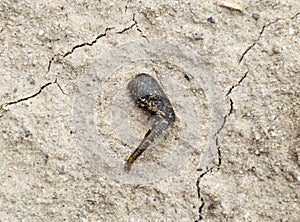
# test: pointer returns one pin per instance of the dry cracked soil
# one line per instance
(252, 49)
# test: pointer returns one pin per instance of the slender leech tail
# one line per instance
(159, 126)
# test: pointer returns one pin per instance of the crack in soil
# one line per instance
(87, 43)
(259, 37)
(138, 29)
(28, 97)
(295, 16)
(238, 83)
(218, 145)
(4, 106)
(55, 57)
(58, 85)
(126, 29)
(200, 215)
(135, 24)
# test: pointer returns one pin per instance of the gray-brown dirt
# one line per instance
(255, 57)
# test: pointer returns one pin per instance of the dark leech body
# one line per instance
(149, 95)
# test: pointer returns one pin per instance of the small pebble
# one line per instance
(41, 32)
(291, 31)
(223, 205)
(27, 133)
(255, 16)
(211, 20)
(62, 170)
(46, 158)
(198, 36)
(31, 80)
(230, 5)
(188, 76)
(4, 107)
(34, 62)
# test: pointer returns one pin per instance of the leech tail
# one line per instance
(157, 128)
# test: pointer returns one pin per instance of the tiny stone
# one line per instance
(34, 62)
(255, 16)
(275, 49)
(31, 80)
(291, 31)
(273, 134)
(211, 20)
(257, 136)
(4, 107)
(27, 133)
(188, 76)
(41, 32)
(198, 36)
(5, 136)
(62, 170)
(46, 158)
(223, 205)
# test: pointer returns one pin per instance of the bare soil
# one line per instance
(253, 53)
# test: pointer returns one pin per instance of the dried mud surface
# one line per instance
(255, 57)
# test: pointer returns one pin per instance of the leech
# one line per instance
(149, 95)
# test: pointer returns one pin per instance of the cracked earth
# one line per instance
(254, 55)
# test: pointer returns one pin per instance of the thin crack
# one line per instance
(28, 97)
(58, 85)
(200, 216)
(218, 145)
(135, 24)
(255, 41)
(238, 83)
(2, 29)
(138, 29)
(219, 153)
(4, 106)
(198, 181)
(126, 29)
(260, 35)
(200, 209)
(76, 47)
(87, 43)
(295, 16)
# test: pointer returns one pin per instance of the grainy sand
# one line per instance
(47, 47)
